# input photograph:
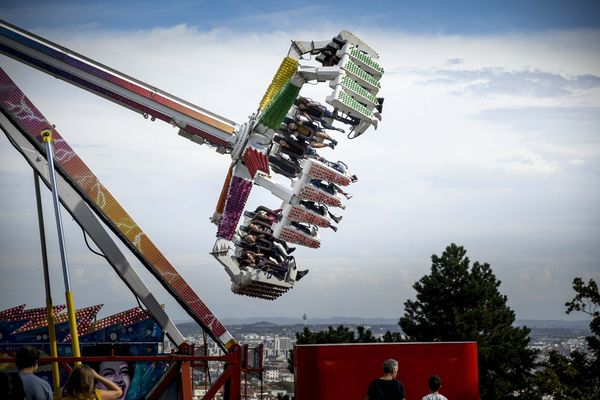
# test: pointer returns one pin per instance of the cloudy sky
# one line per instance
(490, 139)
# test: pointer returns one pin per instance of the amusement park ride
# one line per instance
(280, 137)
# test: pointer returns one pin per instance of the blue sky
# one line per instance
(490, 139)
(426, 16)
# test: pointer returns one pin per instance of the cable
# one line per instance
(205, 337)
(88, 245)
(137, 299)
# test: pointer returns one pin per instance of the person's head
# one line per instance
(80, 383)
(390, 366)
(292, 126)
(27, 357)
(118, 372)
(283, 143)
(250, 238)
(435, 382)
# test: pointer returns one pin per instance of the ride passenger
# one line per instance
(285, 166)
(316, 112)
(320, 209)
(310, 132)
(329, 187)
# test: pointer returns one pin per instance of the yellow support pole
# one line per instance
(49, 306)
(53, 347)
(73, 326)
(47, 137)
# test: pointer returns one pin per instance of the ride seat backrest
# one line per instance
(297, 146)
(262, 219)
(312, 206)
(286, 173)
(266, 210)
(270, 264)
(264, 244)
(268, 236)
(263, 223)
(291, 152)
(303, 228)
(288, 166)
(296, 143)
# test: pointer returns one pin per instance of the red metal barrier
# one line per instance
(178, 374)
(343, 371)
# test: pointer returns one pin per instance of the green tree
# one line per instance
(390, 337)
(587, 300)
(458, 301)
(576, 377)
(365, 335)
(340, 334)
(563, 378)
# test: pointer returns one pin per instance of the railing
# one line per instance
(179, 371)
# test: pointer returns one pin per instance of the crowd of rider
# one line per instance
(301, 135)
(297, 139)
(261, 250)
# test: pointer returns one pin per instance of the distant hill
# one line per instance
(260, 324)
(311, 321)
(553, 323)
(532, 323)
(284, 321)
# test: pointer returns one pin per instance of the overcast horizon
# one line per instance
(490, 139)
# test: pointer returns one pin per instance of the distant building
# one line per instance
(282, 346)
(271, 375)
(286, 377)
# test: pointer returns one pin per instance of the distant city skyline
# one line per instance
(490, 139)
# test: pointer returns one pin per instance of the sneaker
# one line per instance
(301, 274)
(334, 228)
(336, 218)
(290, 250)
(332, 145)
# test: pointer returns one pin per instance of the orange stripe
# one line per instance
(224, 190)
(227, 128)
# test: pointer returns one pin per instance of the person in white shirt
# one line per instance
(435, 383)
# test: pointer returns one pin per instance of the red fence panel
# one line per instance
(344, 371)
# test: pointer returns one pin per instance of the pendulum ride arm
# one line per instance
(194, 122)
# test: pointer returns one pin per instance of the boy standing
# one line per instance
(27, 363)
(435, 382)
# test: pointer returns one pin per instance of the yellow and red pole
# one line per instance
(47, 136)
